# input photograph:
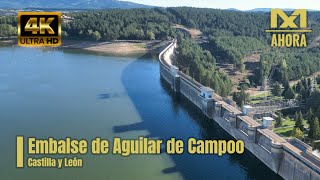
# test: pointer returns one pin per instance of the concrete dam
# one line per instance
(291, 159)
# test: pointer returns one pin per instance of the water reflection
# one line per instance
(59, 94)
(165, 114)
(111, 95)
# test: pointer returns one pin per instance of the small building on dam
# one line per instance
(291, 159)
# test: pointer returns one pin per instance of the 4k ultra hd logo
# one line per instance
(39, 28)
(288, 31)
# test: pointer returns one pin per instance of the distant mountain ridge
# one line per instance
(69, 4)
(265, 9)
(92, 4)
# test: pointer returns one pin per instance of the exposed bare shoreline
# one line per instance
(119, 48)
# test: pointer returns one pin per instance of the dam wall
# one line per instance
(292, 160)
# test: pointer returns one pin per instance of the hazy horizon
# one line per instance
(228, 4)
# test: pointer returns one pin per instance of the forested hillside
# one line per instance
(136, 24)
(233, 34)
(294, 63)
(8, 26)
(222, 22)
(200, 65)
(233, 48)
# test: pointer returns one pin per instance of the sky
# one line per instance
(238, 4)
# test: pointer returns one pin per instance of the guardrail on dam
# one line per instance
(292, 159)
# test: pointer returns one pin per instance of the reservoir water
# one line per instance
(55, 93)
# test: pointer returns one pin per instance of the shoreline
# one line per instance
(117, 48)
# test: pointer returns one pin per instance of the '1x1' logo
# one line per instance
(287, 32)
(39, 28)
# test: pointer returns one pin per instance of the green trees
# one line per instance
(94, 35)
(7, 30)
(234, 48)
(276, 89)
(234, 33)
(318, 79)
(217, 22)
(278, 122)
(200, 65)
(317, 113)
(289, 93)
(299, 120)
(133, 24)
(314, 100)
(298, 63)
(240, 97)
(64, 34)
(314, 132)
(8, 26)
(111, 24)
(151, 36)
(313, 103)
(284, 72)
(314, 129)
(309, 116)
(297, 133)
